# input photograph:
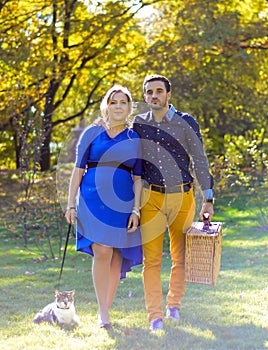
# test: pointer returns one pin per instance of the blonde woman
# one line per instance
(104, 198)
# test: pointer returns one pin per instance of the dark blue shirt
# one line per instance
(170, 148)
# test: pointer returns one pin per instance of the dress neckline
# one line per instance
(112, 138)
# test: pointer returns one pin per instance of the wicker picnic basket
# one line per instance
(203, 252)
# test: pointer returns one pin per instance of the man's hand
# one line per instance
(207, 208)
(100, 122)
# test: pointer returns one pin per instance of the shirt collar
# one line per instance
(169, 115)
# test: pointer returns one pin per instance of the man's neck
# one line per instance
(159, 114)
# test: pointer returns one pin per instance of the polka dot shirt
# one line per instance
(171, 148)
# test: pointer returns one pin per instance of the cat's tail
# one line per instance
(38, 318)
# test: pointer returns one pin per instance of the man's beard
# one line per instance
(160, 106)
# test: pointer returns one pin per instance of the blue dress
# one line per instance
(106, 195)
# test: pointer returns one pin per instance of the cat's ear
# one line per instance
(73, 291)
(56, 292)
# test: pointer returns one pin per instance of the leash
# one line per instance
(64, 253)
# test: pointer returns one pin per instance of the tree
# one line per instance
(62, 55)
(215, 53)
(58, 57)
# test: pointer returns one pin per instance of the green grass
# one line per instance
(230, 316)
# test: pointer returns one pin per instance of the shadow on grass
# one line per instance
(190, 337)
(223, 337)
(240, 337)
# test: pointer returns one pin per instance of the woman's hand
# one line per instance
(133, 223)
(70, 215)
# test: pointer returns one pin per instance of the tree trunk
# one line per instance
(47, 125)
(17, 146)
(45, 152)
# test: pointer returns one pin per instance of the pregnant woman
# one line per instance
(104, 198)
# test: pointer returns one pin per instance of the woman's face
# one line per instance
(118, 107)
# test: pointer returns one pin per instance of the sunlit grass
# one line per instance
(230, 316)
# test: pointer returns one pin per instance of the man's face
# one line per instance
(156, 95)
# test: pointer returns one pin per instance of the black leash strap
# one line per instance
(64, 254)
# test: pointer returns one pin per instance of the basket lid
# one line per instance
(198, 228)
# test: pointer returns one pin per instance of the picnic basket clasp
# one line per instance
(206, 221)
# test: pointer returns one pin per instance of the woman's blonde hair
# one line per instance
(109, 95)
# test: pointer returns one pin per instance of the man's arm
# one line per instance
(200, 164)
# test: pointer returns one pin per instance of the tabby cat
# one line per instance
(61, 311)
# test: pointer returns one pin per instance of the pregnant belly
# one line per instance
(107, 182)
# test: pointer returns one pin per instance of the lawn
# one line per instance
(230, 316)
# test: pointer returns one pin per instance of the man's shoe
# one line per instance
(156, 325)
(173, 313)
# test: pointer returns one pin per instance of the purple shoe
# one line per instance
(101, 324)
(173, 313)
(156, 325)
(106, 326)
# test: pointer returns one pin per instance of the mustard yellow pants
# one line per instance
(174, 211)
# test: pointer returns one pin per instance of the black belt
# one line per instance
(170, 189)
(111, 164)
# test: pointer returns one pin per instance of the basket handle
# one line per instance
(206, 221)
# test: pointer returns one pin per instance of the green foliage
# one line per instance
(244, 168)
(60, 57)
(215, 56)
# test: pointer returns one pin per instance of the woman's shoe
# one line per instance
(101, 324)
(107, 326)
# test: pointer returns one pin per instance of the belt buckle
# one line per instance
(172, 189)
(168, 189)
(179, 188)
(176, 189)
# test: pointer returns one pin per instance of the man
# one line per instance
(170, 140)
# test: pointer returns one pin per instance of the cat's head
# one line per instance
(64, 300)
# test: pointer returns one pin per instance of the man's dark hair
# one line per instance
(157, 77)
